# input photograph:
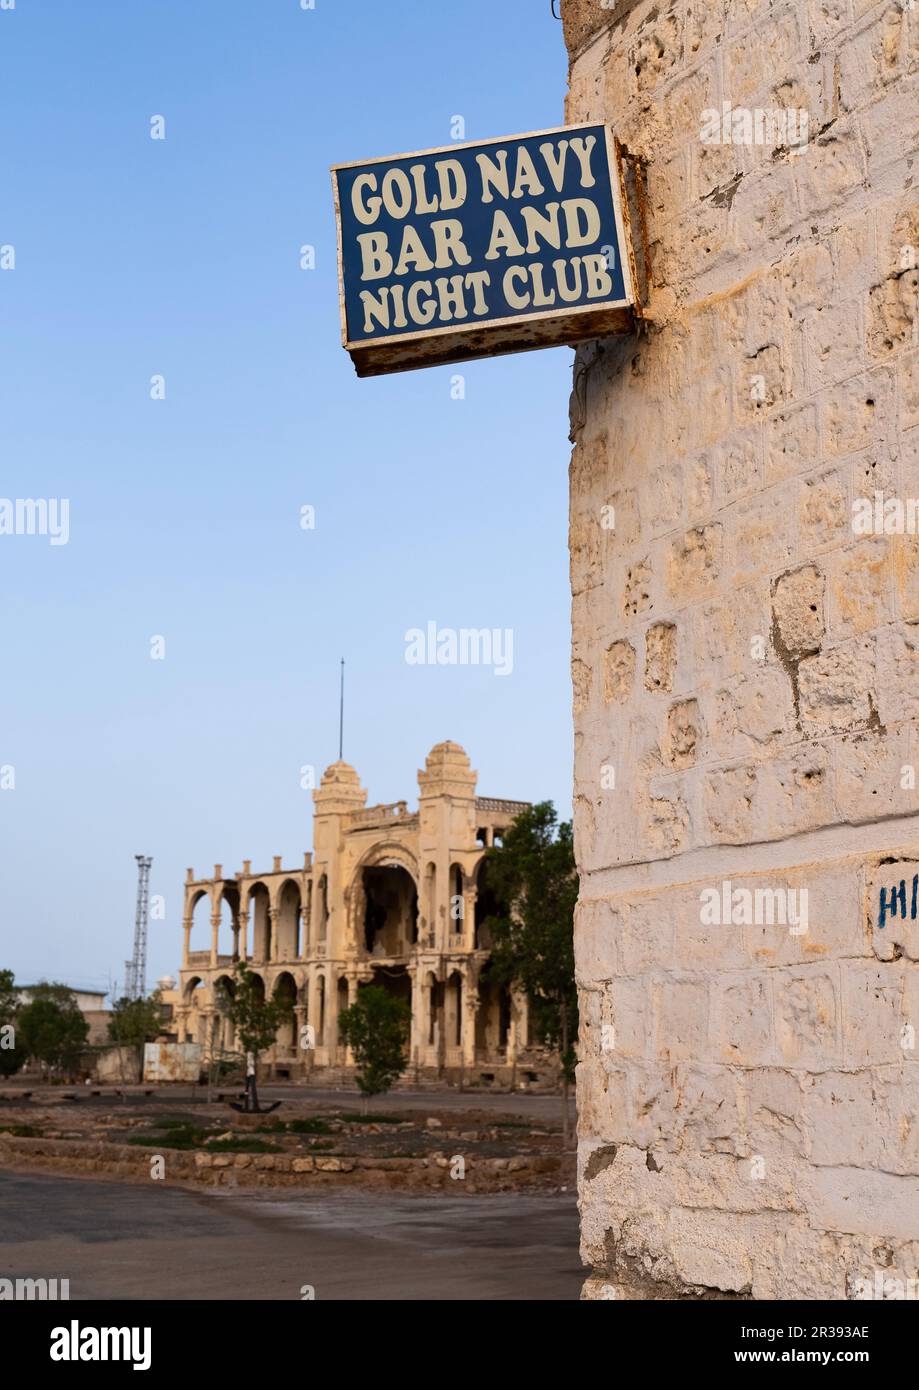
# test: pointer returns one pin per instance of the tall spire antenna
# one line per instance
(341, 713)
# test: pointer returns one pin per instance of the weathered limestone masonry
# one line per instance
(746, 664)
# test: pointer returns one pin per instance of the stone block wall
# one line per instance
(746, 658)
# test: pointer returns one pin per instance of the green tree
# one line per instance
(136, 1021)
(534, 875)
(9, 995)
(12, 1054)
(376, 1028)
(51, 1027)
(255, 1019)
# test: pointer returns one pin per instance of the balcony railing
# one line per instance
(499, 807)
(204, 958)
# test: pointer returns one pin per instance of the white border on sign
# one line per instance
(482, 326)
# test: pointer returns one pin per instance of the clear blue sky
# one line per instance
(180, 257)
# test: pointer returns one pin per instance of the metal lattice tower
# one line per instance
(136, 982)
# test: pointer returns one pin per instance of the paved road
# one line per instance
(114, 1240)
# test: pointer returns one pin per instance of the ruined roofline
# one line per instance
(254, 876)
(397, 812)
(368, 817)
(246, 875)
(384, 812)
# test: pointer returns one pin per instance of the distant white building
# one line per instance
(91, 1004)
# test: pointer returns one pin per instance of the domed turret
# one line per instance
(339, 790)
(447, 772)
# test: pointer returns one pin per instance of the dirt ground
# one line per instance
(501, 1149)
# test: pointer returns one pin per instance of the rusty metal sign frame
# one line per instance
(522, 333)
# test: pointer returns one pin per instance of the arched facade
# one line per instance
(387, 895)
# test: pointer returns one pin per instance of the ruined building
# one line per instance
(746, 659)
(387, 896)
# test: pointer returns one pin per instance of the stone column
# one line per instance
(353, 981)
(215, 937)
(274, 914)
(512, 1032)
(417, 1006)
(312, 997)
(332, 1017)
(186, 946)
(470, 897)
(523, 1023)
(470, 1014)
(300, 1019)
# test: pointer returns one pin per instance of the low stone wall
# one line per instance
(127, 1162)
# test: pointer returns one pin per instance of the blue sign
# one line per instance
(453, 243)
